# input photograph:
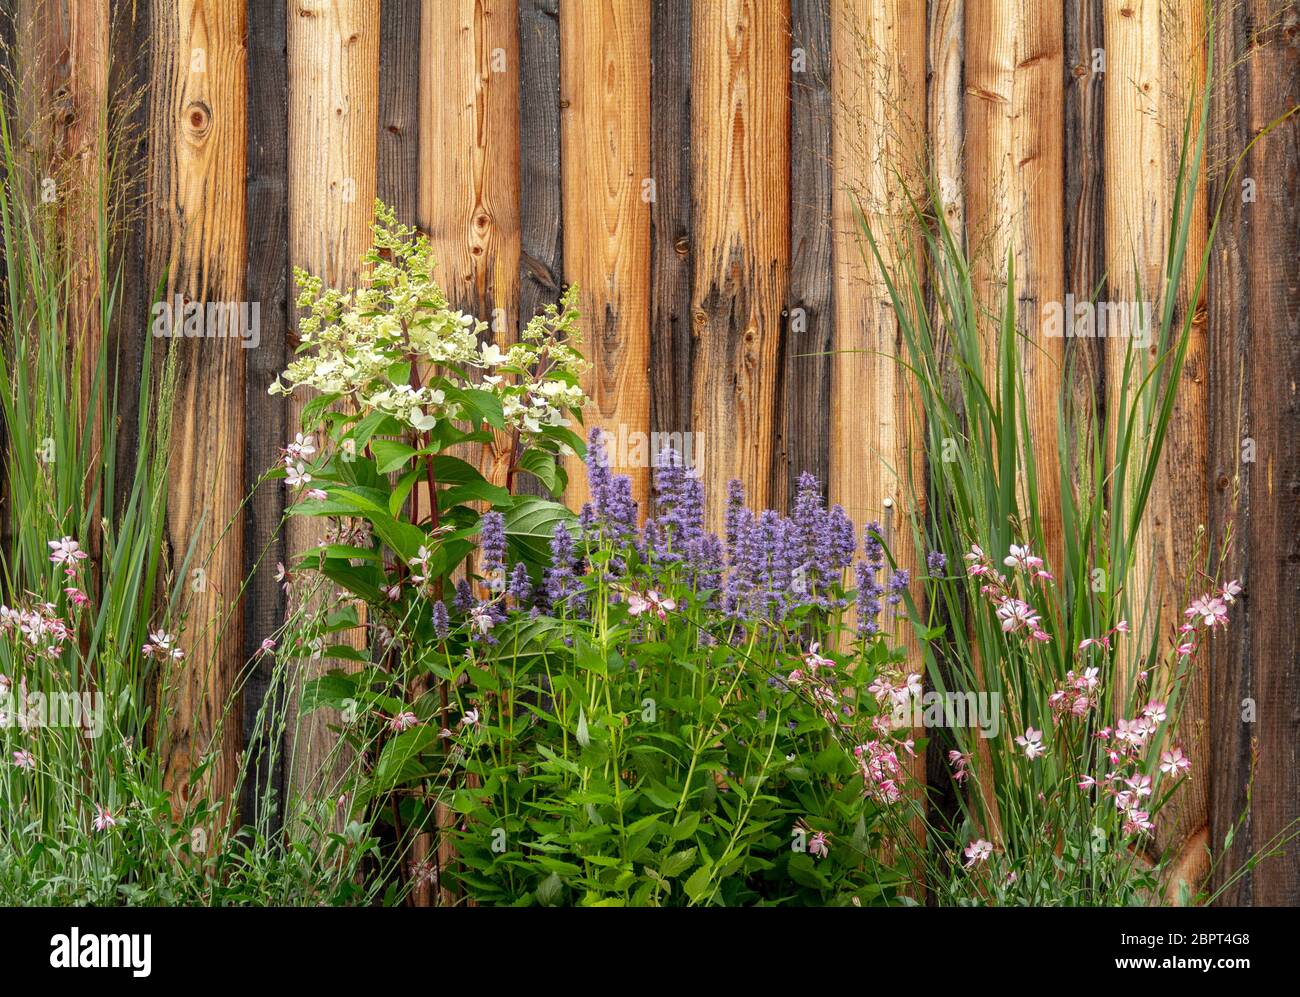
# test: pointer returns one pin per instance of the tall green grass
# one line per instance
(967, 359)
(60, 407)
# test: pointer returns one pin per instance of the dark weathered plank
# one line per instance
(1085, 247)
(541, 261)
(671, 258)
(1255, 348)
(128, 74)
(803, 432)
(399, 107)
(541, 239)
(267, 284)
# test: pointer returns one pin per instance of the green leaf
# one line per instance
(391, 455)
(678, 862)
(530, 525)
(698, 885)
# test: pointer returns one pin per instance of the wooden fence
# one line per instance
(690, 166)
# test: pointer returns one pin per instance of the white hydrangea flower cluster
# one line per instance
(394, 344)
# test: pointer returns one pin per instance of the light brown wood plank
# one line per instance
(740, 145)
(469, 166)
(196, 218)
(333, 124)
(1015, 175)
(605, 156)
(877, 444)
(1154, 64)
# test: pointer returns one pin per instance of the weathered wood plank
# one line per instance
(1015, 175)
(541, 265)
(1085, 257)
(1255, 366)
(469, 165)
(671, 251)
(804, 396)
(1154, 64)
(605, 138)
(196, 214)
(333, 117)
(945, 130)
(398, 181)
(267, 284)
(740, 146)
(877, 446)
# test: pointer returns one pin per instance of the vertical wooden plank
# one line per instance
(1154, 65)
(196, 205)
(128, 74)
(399, 107)
(541, 239)
(945, 131)
(1255, 366)
(1085, 257)
(671, 252)
(740, 143)
(604, 133)
(267, 282)
(469, 164)
(85, 131)
(541, 261)
(333, 116)
(1014, 189)
(879, 107)
(803, 437)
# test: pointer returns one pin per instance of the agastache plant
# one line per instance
(650, 714)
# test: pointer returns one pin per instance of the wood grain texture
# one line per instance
(671, 252)
(196, 215)
(541, 264)
(1015, 177)
(804, 395)
(1254, 370)
(945, 131)
(1154, 64)
(333, 118)
(605, 138)
(740, 147)
(469, 167)
(877, 443)
(398, 180)
(267, 283)
(1085, 184)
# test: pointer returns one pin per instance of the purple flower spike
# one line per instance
(492, 542)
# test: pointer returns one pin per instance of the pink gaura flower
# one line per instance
(160, 645)
(1230, 591)
(651, 601)
(977, 851)
(403, 721)
(104, 818)
(1016, 614)
(470, 719)
(76, 596)
(1086, 782)
(819, 845)
(66, 551)
(1174, 762)
(24, 760)
(268, 645)
(1136, 820)
(296, 475)
(1209, 611)
(1032, 743)
(1155, 712)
